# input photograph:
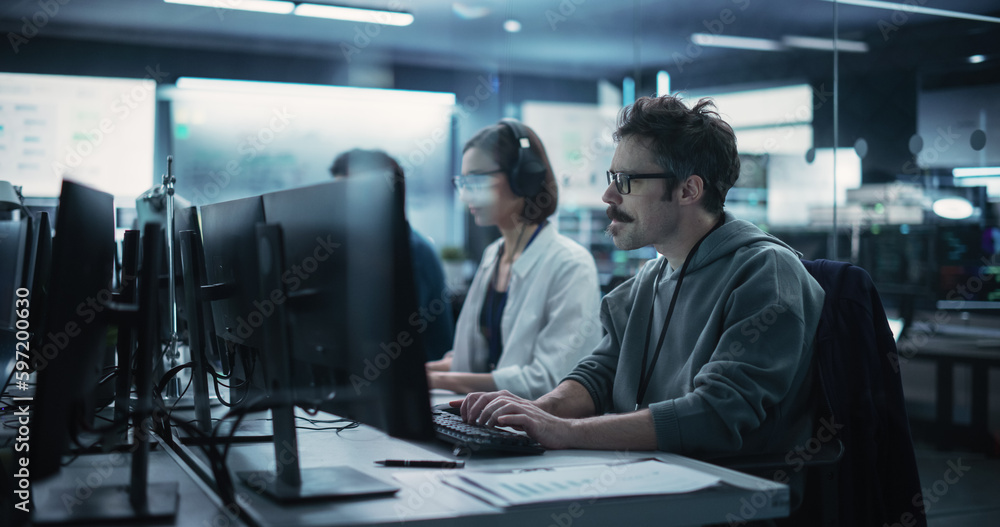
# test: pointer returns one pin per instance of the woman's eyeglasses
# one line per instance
(471, 182)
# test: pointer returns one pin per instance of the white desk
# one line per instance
(424, 500)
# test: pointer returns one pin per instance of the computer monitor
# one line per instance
(902, 262)
(39, 282)
(350, 289)
(15, 244)
(77, 314)
(231, 273)
(68, 358)
(969, 265)
(335, 261)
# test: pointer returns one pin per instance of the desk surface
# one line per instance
(425, 500)
(73, 486)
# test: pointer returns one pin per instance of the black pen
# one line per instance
(420, 464)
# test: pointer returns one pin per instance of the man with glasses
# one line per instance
(708, 348)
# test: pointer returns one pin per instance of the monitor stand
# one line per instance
(292, 483)
(138, 500)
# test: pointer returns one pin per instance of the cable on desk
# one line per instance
(351, 424)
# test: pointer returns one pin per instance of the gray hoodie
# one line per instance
(734, 372)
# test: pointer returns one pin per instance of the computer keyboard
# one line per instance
(450, 428)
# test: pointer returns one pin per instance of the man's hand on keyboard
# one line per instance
(506, 409)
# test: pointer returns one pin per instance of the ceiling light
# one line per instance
(312, 90)
(512, 26)
(976, 59)
(824, 44)
(261, 6)
(354, 14)
(724, 41)
(909, 8)
(975, 172)
(953, 208)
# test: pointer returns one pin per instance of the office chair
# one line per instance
(867, 473)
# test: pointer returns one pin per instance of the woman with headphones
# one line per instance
(532, 310)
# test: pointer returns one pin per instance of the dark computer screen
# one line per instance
(230, 248)
(901, 260)
(68, 361)
(41, 267)
(15, 242)
(228, 236)
(348, 280)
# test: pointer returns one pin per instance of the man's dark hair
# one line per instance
(499, 141)
(686, 142)
(368, 162)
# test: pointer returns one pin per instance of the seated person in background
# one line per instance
(531, 311)
(437, 331)
(708, 349)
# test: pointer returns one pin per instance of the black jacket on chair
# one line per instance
(858, 369)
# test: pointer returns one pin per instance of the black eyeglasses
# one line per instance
(623, 181)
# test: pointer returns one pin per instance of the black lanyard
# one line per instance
(646, 375)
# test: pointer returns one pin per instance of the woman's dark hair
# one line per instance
(499, 140)
(686, 142)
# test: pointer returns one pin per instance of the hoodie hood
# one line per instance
(733, 235)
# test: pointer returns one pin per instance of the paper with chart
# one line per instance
(642, 478)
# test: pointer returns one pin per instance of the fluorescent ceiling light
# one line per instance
(725, 41)
(311, 90)
(976, 172)
(824, 44)
(261, 6)
(908, 8)
(953, 208)
(354, 14)
(976, 59)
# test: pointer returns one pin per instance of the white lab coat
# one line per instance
(550, 322)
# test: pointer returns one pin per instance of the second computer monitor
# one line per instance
(349, 294)
(68, 359)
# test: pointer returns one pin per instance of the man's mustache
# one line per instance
(616, 214)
